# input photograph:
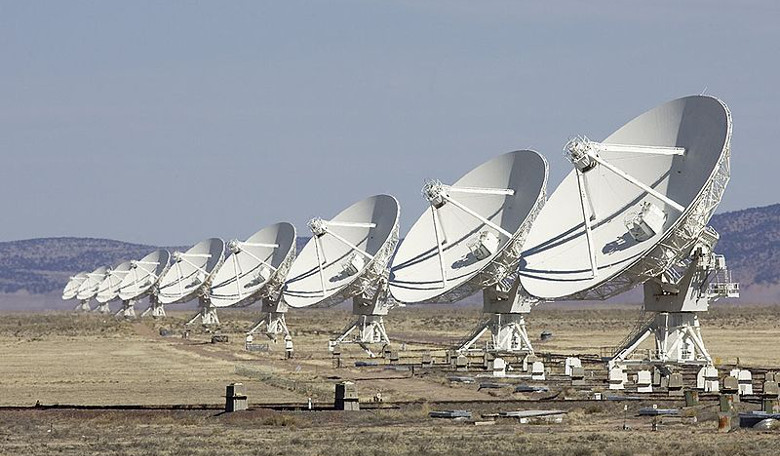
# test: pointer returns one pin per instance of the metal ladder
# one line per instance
(640, 326)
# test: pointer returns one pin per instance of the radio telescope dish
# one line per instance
(108, 289)
(144, 274)
(72, 288)
(189, 276)
(496, 198)
(470, 239)
(635, 205)
(252, 264)
(256, 270)
(662, 172)
(141, 281)
(347, 257)
(73, 285)
(89, 288)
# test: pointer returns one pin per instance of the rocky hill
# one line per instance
(40, 266)
(750, 239)
(44, 265)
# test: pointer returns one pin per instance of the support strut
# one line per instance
(676, 299)
(506, 307)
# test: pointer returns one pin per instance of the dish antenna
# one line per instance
(635, 210)
(347, 257)
(190, 276)
(72, 288)
(89, 287)
(256, 270)
(142, 281)
(470, 239)
(108, 289)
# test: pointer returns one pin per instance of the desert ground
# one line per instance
(107, 386)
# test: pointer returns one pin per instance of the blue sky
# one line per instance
(169, 122)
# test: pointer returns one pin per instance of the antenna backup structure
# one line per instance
(347, 257)
(89, 287)
(108, 289)
(635, 210)
(256, 270)
(470, 239)
(142, 281)
(189, 276)
(72, 288)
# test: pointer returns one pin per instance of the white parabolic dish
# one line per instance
(190, 270)
(109, 287)
(556, 259)
(144, 274)
(375, 232)
(72, 287)
(261, 261)
(89, 287)
(416, 272)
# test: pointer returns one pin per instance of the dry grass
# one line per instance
(89, 359)
(324, 433)
(81, 361)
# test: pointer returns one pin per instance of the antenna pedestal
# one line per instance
(207, 313)
(369, 325)
(507, 309)
(103, 308)
(155, 308)
(675, 299)
(677, 341)
(82, 306)
(273, 319)
(127, 310)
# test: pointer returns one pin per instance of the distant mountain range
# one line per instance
(40, 266)
(749, 238)
(44, 265)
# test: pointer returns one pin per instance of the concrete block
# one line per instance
(570, 364)
(617, 378)
(235, 398)
(644, 382)
(770, 390)
(676, 384)
(346, 396)
(730, 385)
(499, 367)
(745, 380)
(578, 376)
(537, 371)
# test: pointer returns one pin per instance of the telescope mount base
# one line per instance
(675, 298)
(103, 308)
(677, 341)
(127, 310)
(370, 330)
(155, 309)
(506, 304)
(207, 313)
(82, 306)
(508, 334)
(274, 323)
(273, 310)
(370, 309)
